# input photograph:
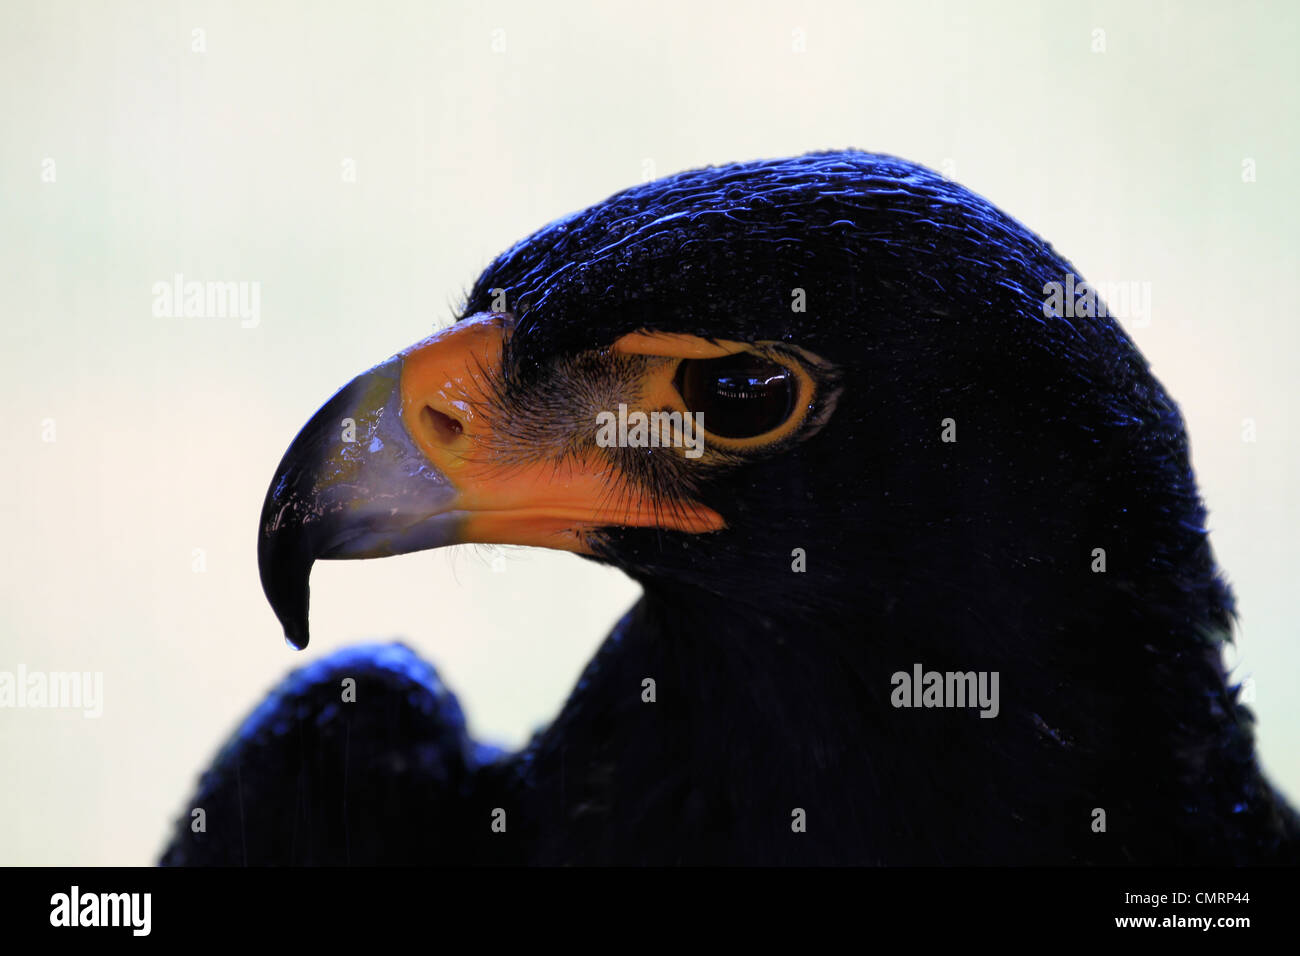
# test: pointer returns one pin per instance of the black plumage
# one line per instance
(774, 686)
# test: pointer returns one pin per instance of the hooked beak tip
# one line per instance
(296, 636)
(285, 566)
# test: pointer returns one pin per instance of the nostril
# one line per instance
(442, 426)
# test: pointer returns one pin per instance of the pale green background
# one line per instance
(226, 165)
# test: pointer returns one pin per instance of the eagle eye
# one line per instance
(741, 396)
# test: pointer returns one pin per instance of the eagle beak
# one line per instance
(352, 485)
(402, 459)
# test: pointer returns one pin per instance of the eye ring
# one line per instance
(819, 384)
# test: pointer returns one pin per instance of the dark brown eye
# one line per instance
(741, 395)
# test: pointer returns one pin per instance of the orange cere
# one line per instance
(444, 386)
